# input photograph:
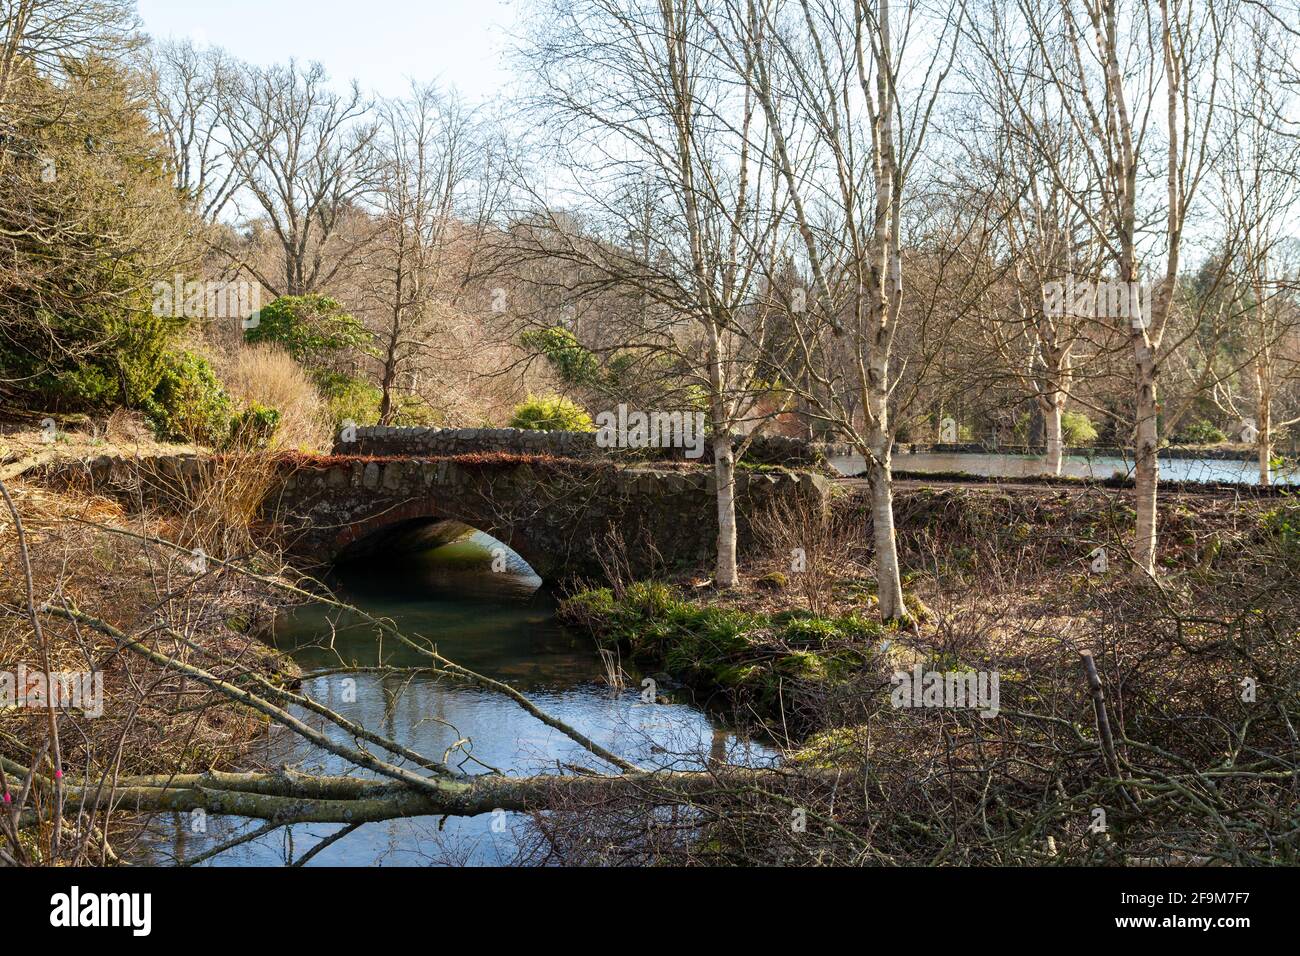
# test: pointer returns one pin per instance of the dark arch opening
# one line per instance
(439, 554)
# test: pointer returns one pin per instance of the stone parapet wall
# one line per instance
(562, 515)
(393, 441)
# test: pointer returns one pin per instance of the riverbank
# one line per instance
(753, 664)
(111, 564)
(973, 738)
(775, 650)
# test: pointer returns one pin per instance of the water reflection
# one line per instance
(501, 624)
(1025, 466)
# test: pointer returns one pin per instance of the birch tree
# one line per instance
(657, 132)
(1257, 189)
(1021, 163)
(1137, 82)
(846, 136)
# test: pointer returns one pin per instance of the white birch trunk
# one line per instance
(1147, 477)
(1055, 440)
(724, 471)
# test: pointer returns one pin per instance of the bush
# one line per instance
(311, 328)
(574, 364)
(1283, 524)
(265, 375)
(1077, 429)
(552, 413)
(188, 403)
(1200, 432)
(349, 399)
(254, 427)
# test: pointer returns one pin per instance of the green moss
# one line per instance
(916, 607)
(758, 656)
(747, 674)
(598, 601)
(834, 748)
(811, 630)
(803, 665)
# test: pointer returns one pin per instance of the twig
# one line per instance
(1103, 724)
(45, 663)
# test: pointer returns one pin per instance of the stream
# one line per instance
(991, 465)
(500, 624)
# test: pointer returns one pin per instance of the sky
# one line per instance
(383, 44)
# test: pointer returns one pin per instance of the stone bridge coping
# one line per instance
(400, 440)
(393, 474)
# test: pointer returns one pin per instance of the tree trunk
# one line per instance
(1264, 414)
(888, 580)
(293, 797)
(724, 465)
(394, 337)
(889, 587)
(1053, 430)
(1147, 476)
(386, 385)
(724, 471)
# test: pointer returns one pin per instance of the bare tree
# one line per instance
(665, 145)
(1257, 189)
(190, 98)
(846, 138)
(1020, 163)
(304, 153)
(1117, 69)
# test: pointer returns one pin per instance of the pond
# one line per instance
(501, 624)
(990, 465)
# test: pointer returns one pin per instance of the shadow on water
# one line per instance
(501, 623)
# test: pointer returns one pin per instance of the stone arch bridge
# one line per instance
(561, 515)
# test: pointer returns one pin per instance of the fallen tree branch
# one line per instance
(357, 756)
(283, 799)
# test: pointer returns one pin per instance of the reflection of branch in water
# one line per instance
(386, 626)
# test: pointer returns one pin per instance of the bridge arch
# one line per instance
(413, 523)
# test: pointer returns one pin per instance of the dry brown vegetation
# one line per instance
(269, 376)
(1201, 772)
(154, 720)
